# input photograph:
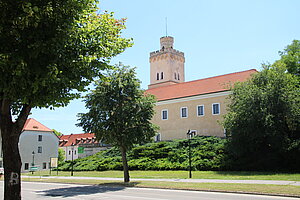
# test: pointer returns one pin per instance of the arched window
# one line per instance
(157, 76)
(175, 76)
(162, 75)
(178, 77)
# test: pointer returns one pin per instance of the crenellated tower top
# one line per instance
(166, 64)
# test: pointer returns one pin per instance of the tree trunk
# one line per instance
(10, 133)
(125, 164)
(12, 164)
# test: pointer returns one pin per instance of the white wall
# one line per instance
(29, 142)
(68, 152)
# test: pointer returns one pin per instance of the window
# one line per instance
(44, 165)
(200, 110)
(157, 76)
(39, 149)
(26, 166)
(40, 138)
(49, 165)
(162, 75)
(164, 114)
(215, 108)
(178, 77)
(157, 137)
(74, 152)
(69, 152)
(175, 76)
(184, 112)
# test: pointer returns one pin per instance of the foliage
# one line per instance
(207, 154)
(53, 47)
(263, 122)
(61, 155)
(57, 133)
(119, 112)
(50, 51)
(291, 57)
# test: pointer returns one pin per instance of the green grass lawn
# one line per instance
(235, 175)
(220, 187)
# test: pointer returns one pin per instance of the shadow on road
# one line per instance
(86, 190)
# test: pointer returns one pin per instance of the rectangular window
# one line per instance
(164, 114)
(40, 138)
(69, 152)
(215, 108)
(184, 112)
(39, 149)
(44, 165)
(200, 110)
(26, 166)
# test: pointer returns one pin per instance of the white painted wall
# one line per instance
(29, 142)
(68, 152)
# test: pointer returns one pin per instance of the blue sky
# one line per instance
(217, 37)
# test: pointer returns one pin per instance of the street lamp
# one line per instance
(32, 158)
(189, 136)
(72, 169)
(32, 161)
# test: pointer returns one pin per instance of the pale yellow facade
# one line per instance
(176, 126)
(175, 116)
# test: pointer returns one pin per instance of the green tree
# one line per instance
(263, 122)
(119, 112)
(291, 57)
(50, 51)
(61, 156)
(57, 133)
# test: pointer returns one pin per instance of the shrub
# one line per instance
(207, 154)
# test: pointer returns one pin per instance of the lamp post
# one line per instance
(72, 169)
(189, 136)
(32, 164)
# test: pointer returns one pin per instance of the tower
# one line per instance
(166, 64)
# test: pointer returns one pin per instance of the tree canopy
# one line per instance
(50, 51)
(119, 112)
(46, 44)
(263, 122)
(291, 57)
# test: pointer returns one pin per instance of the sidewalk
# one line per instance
(295, 183)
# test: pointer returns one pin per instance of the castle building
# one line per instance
(197, 105)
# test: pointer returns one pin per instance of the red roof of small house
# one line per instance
(201, 86)
(33, 125)
(76, 139)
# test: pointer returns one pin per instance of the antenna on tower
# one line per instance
(166, 26)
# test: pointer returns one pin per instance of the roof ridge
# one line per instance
(202, 79)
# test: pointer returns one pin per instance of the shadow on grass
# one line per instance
(86, 190)
(249, 173)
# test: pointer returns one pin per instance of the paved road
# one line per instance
(55, 191)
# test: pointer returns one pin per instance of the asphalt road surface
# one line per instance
(41, 191)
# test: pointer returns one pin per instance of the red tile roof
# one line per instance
(76, 139)
(33, 125)
(201, 86)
